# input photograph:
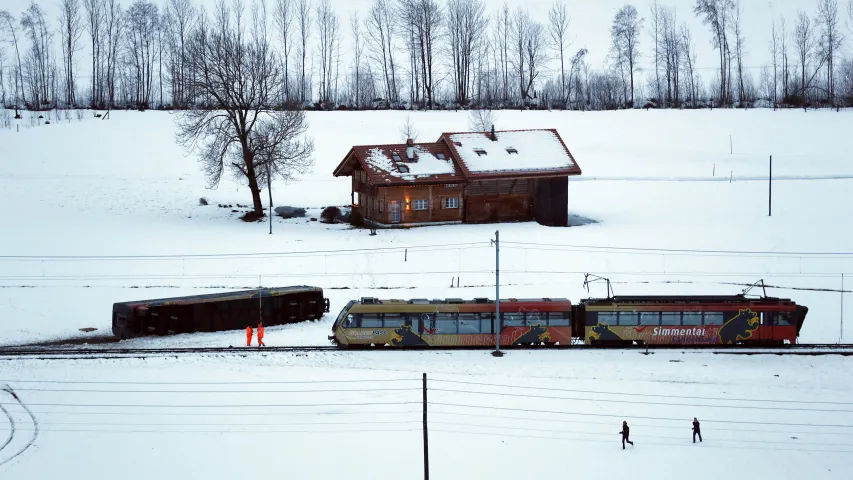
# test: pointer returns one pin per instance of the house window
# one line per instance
(511, 150)
(395, 156)
(452, 202)
(355, 199)
(452, 185)
(421, 205)
(440, 156)
(403, 168)
(480, 152)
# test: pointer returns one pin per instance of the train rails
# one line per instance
(78, 352)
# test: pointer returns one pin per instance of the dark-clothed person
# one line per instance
(624, 432)
(696, 430)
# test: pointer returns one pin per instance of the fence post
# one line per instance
(426, 437)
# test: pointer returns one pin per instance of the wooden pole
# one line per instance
(426, 436)
(770, 189)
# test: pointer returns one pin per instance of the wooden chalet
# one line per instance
(473, 177)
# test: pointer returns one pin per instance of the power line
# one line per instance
(599, 392)
(119, 405)
(253, 432)
(685, 251)
(639, 417)
(646, 425)
(259, 382)
(202, 256)
(370, 390)
(98, 424)
(597, 400)
(228, 414)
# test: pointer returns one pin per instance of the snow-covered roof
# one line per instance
(424, 164)
(513, 151)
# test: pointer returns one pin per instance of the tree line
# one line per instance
(426, 54)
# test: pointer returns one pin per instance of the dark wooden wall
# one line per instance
(551, 201)
(499, 201)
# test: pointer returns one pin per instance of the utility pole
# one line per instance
(770, 189)
(426, 437)
(841, 328)
(497, 322)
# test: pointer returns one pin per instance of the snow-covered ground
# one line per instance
(120, 188)
(656, 179)
(526, 415)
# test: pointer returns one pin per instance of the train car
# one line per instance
(689, 320)
(218, 311)
(452, 322)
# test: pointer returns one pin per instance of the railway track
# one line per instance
(80, 352)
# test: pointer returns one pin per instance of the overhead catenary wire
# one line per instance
(364, 390)
(637, 402)
(658, 251)
(270, 405)
(256, 382)
(630, 394)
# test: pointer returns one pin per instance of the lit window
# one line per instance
(403, 168)
(452, 202)
(511, 150)
(480, 152)
(440, 156)
(395, 156)
(452, 185)
(421, 205)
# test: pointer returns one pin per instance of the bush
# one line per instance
(330, 214)
(356, 219)
(251, 216)
(202, 201)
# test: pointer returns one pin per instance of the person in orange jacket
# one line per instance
(261, 335)
(248, 335)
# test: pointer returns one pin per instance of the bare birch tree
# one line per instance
(39, 63)
(625, 35)
(8, 22)
(558, 27)
(716, 14)
(284, 22)
(774, 52)
(804, 42)
(303, 20)
(466, 26)
(740, 46)
(70, 24)
(830, 41)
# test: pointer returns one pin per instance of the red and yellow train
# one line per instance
(615, 321)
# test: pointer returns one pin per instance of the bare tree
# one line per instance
(689, 54)
(243, 132)
(94, 19)
(527, 53)
(327, 27)
(425, 19)
(774, 52)
(39, 62)
(182, 16)
(783, 52)
(112, 35)
(830, 41)
(142, 26)
(8, 21)
(558, 26)
(716, 14)
(357, 53)
(804, 42)
(303, 19)
(656, 33)
(740, 47)
(70, 23)
(408, 130)
(480, 120)
(625, 34)
(466, 26)
(284, 21)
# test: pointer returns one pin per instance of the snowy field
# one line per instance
(651, 180)
(120, 190)
(526, 415)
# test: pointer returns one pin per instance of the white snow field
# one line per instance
(121, 190)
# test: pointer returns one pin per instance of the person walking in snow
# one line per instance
(261, 335)
(249, 335)
(624, 432)
(696, 430)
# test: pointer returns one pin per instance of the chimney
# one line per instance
(410, 149)
(494, 135)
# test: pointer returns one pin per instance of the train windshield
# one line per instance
(342, 315)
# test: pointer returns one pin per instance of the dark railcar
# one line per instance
(218, 311)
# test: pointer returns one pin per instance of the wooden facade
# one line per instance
(388, 193)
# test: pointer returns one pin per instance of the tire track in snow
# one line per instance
(29, 444)
(11, 427)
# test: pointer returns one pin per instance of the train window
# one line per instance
(784, 318)
(670, 318)
(487, 321)
(513, 319)
(559, 319)
(607, 317)
(713, 318)
(370, 320)
(351, 321)
(393, 320)
(692, 318)
(649, 318)
(469, 323)
(629, 318)
(534, 318)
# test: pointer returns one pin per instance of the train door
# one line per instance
(412, 321)
(765, 331)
